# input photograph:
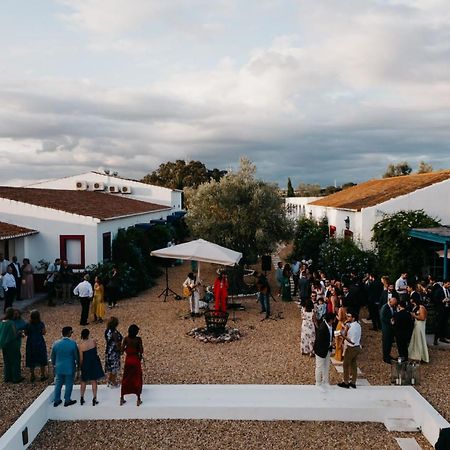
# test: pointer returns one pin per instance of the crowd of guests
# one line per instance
(70, 359)
(61, 280)
(331, 308)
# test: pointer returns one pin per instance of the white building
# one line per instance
(77, 225)
(357, 209)
(296, 207)
(101, 182)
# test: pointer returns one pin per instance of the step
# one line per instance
(401, 424)
(408, 444)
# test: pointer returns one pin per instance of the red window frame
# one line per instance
(63, 238)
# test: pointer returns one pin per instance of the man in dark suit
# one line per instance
(304, 287)
(403, 328)
(373, 292)
(388, 293)
(17, 273)
(387, 327)
(440, 298)
(322, 349)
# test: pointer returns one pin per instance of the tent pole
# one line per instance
(445, 260)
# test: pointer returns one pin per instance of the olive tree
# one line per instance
(239, 212)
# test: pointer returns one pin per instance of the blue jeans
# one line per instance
(67, 381)
(264, 299)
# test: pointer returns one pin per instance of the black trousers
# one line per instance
(387, 341)
(10, 296)
(442, 315)
(374, 311)
(85, 302)
(402, 345)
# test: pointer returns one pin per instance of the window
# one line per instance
(72, 249)
(107, 246)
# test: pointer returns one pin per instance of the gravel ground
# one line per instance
(268, 353)
(208, 434)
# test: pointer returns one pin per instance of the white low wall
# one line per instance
(238, 402)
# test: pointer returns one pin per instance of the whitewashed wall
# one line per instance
(139, 191)
(432, 199)
(297, 207)
(52, 223)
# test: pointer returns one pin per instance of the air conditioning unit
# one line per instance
(113, 189)
(98, 186)
(125, 190)
(81, 185)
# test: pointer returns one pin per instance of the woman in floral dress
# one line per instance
(308, 333)
(112, 352)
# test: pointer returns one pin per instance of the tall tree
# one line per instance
(290, 189)
(179, 174)
(424, 167)
(238, 212)
(397, 170)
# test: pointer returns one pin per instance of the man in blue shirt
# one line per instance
(65, 359)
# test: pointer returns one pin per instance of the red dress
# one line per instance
(132, 372)
(220, 294)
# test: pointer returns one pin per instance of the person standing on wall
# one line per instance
(322, 349)
(65, 359)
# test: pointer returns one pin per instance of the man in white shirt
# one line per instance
(9, 287)
(4, 263)
(352, 335)
(84, 291)
(52, 272)
(401, 286)
(17, 273)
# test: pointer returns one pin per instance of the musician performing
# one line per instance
(190, 290)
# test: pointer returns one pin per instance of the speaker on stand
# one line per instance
(266, 263)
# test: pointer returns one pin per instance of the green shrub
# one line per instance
(340, 257)
(398, 252)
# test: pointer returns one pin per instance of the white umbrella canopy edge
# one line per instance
(202, 251)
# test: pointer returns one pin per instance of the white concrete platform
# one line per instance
(408, 444)
(385, 404)
(441, 345)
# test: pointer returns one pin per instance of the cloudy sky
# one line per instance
(317, 90)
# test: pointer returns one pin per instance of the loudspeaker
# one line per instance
(266, 263)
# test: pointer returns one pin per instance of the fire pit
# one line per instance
(216, 321)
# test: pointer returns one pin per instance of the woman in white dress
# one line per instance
(418, 350)
(308, 333)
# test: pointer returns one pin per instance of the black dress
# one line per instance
(91, 369)
(36, 350)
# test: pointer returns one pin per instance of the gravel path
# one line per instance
(268, 353)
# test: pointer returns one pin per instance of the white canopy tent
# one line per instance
(201, 251)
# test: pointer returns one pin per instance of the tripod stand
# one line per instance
(167, 291)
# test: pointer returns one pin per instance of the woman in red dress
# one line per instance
(221, 292)
(132, 372)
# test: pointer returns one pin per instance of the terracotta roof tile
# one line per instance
(9, 231)
(100, 205)
(374, 192)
